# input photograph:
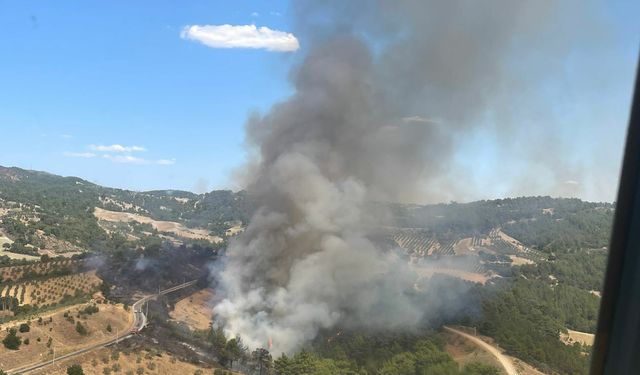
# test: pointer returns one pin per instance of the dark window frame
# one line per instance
(617, 342)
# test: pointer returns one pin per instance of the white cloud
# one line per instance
(166, 161)
(128, 159)
(66, 136)
(241, 36)
(80, 154)
(572, 182)
(116, 148)
(255, 14)
(276, 14)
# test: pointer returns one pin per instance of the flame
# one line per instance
(270, 343)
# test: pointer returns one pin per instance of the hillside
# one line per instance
(41, 213)
(532, 266)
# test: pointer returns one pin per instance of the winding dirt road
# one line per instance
(504, 361)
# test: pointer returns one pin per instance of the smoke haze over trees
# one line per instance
(384, 90)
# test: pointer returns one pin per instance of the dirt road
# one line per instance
(504, 361)
(139, 322)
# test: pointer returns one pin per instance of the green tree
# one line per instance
(81, 329)
(75, 370)
(12, 341)
(24, 327)
(476, 368)
(403, 363)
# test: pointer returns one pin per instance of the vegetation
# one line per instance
(12, 341)
(75, 370)
(81, 329)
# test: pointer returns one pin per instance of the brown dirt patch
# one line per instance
(428, 272)
(165, 363)
(195, 310)
(63, 334)
(162, 226)
(577, 336)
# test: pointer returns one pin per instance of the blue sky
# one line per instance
(75, 74)
(77, 78)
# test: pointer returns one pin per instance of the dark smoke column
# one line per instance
(369, 121)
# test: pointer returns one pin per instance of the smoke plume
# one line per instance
(381, 93)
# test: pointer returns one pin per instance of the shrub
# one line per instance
(24, 327)
(12, 341)
(81, 329)
(140, 371)
(26, 341)
(109, 329)
(75, 370)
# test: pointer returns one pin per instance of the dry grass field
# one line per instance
(428, 272)
(63, 335)
(195, 310)
(161, 226)
(95, 362)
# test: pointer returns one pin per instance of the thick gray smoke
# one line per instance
(384, 89)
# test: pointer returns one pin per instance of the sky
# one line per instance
(155, 95)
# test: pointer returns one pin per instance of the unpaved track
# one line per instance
(504, 361)
(139, 322)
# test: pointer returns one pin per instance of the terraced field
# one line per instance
(416, 242)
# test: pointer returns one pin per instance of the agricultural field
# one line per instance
(415, 242)
(195, 310)
(39, 269)
(51, 291)
(58, 332)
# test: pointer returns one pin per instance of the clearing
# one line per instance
(63, 334)
(428, 272)
(464, 351)
(161, 226)
(572, 336)
(505, 362)
(96, 361)
(195, 310)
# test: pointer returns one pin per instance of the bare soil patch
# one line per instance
(63, 334)
(93, 363)
(428, 272)
(195, 310)
(572, 336)
(162, 226)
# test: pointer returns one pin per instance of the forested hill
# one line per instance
(543, 223)
(63, 206)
